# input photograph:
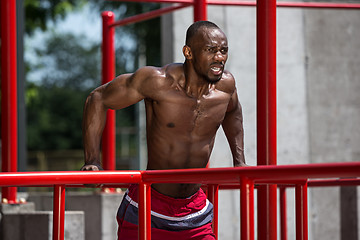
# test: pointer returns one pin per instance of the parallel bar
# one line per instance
(59, 212)
(148, 15)
(144, 211)
(283, 214)
(213, 196)
(333, 182)
(264, 173)
(68, 177)
(159, 1)
(325, 5)
(247, 209)
(266, 113)
(301, 212)
(200, 10)
(9, 107)
(288, 4)
(108, 73)
(319, 5)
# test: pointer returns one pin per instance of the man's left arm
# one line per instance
(234, 131)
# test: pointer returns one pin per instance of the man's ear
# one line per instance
(187, 52)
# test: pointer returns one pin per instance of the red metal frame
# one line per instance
(247, 177)
(266, 113)
(247, 208)
(9, 121)
(301, 211)
(148, 15)
(108, 74)
(213, 196)
(283, 214)
(59, 212)
(200, 10)
(253, 3)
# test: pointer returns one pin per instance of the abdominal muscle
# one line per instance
(178, 154)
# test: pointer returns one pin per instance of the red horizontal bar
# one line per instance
(333, 182)
(287, 4)
(70, 177)
(221, 176)
(259, 173)
(157, 1)
(148, 15)
(311, 183)
(253, 3)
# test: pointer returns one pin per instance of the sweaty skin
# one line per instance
(185, 105)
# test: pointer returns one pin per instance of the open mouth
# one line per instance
(216, 70)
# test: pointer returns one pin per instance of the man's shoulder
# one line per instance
(172, 69)
(227, 83)
(158, 79)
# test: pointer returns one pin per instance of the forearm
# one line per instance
(94, 117)
(233, 128)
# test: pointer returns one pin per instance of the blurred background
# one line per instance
(61, 45)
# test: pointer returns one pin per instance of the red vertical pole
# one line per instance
(301, 212)
(266, 113)
(247, 209)
(9, 121)
(283, 214)
(144, 211)
(108, 74)
(59, 212)
(213, 196)
(200, 10)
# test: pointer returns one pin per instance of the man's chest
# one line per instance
(177, 109)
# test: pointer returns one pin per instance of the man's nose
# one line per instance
(219, 57)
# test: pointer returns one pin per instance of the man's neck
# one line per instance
(195, 85)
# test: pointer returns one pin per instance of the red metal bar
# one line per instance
(288, 4)
(247, 209)
(148, 15)
(270, 173)
(144, 211)
(301, 211)
(213, 196)
(266, 113)
(68, 177)
(200, 10)
(205, 176)
(283, 215)
(253, 3)
(9, 108)
(108, 73)
(319, 5)
(159, 1)
(59, 212)
(333, 182)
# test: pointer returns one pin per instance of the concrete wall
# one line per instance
(99, 211)
(317, 96)
(333, 84)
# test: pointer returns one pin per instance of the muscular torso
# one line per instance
(181, 127)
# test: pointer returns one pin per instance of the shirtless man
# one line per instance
(185, 105)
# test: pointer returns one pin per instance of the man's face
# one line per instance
(209, 53)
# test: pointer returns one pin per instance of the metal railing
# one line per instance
(246, 179)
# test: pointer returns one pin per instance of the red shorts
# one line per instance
(189, 218)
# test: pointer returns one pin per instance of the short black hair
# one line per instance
(192, 30)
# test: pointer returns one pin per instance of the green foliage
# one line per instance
(68, 67)
(39, 12)
(54, 118)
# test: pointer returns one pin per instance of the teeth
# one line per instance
(215, 68)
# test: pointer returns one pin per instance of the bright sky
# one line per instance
(79, 23)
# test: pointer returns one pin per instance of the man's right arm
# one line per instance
(123, 91)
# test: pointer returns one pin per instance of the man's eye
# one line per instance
(209, 49)
(224, 50)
